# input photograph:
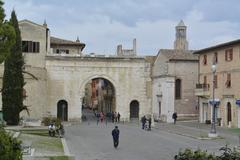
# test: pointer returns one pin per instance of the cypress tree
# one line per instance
(7, 35)
(13, 80)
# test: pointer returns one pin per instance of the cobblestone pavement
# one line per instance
(87, 141)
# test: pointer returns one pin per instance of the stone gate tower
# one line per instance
(181, 42)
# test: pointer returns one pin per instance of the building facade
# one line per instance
(62, 74)
(66, 80)
(226, 57)
(174, 76)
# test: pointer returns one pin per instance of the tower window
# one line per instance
(178, 87)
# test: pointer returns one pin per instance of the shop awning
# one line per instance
(238, 102)
(216, 101)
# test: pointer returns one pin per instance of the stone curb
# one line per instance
(16, 135)
(195, 137)
(66, 150)
(188, 135)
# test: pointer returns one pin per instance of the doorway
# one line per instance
(62, 110)
(229, 113)
(134, 109)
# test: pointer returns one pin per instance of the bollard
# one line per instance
(239, 139)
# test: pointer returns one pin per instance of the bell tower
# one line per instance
(181, 42)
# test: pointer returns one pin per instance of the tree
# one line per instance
(7, 35)
(13, 80)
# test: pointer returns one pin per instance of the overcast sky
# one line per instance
(103, 24)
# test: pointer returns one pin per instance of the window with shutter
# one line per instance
(30, 47)
(205, 80)
(229, 54)
(215, 58)
(205, 59)
(228, 82)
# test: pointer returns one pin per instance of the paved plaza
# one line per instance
(89, 141)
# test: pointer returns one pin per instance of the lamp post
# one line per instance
(159, 105)
(213, 132)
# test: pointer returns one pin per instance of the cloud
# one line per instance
(104, 24)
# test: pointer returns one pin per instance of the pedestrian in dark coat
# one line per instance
(98, 117)
(115, 135)
(112, 117)
(118, 117)
(143, 122)
(174, 116)
(149, 123)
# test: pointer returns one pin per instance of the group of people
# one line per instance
(100, 116)
(53, 130)
(114, 116)
(144, 121)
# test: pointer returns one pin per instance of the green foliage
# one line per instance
(13, 80)
(10, 148)
(7, 35)
(188, 154)
(59, 158)
(48, 120)
(227, 154)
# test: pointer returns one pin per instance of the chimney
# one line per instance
(134, 46)
(78, 40)
(119, 50)
(45, 23)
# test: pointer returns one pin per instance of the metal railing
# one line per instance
(203, 86)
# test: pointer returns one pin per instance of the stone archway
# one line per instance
(99, 96)
(134, 109)
(229, 113)
(62, 110)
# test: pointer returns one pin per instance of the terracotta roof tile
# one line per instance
(175, 55)
(59, 41)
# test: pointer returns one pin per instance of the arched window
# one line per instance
(178, 87)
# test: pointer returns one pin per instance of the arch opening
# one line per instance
(99, 97)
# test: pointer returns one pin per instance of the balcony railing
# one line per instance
(203, 86)
(202, 90)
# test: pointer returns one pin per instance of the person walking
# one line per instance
(149, 123)
(112, 117)
(118, 117)
(101, 117)
(143, 122)
(115, 135)
(98, 117)
(174, 116)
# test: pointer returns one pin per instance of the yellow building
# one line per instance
(226, 57)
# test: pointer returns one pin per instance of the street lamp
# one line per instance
(213, 132)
